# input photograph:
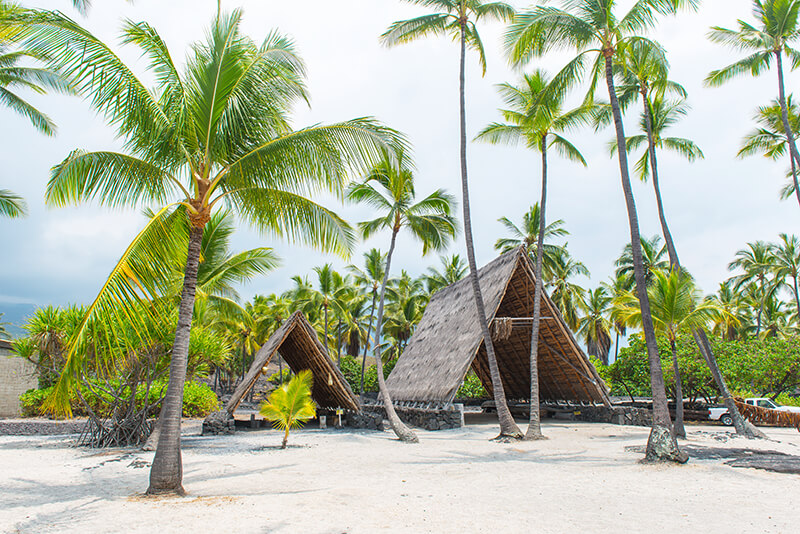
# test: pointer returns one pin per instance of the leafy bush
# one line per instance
(275, 378)
(351, 369)
(472, 388)
(751, 367)
(198, 399)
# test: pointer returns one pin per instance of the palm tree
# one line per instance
(12, 205)
(592, 28)
(757, 262)
(527, 235)
(769, 139)
(595, 327)
(734, 311)
(458, 19)
(370, 278)
(776, 27)
(537, 118)
(653, 259)
(677, 305)
(215, 133)
(331, 296)
(567, 295)
(389, 188)
(14, 76)
(453, 269)
(786, 258)
(616, 287)
(291, 404)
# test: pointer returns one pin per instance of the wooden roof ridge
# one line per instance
(448, 340)
(300, 347)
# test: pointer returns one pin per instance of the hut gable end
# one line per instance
(300, 347)
(448, 341)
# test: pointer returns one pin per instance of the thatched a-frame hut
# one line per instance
(299, 346)
(448, 341)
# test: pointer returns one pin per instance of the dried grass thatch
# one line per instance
(300, 347)
(448, 341)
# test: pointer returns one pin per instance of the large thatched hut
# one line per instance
(448, 342)
(299, 346)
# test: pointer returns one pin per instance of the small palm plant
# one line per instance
(291, 405)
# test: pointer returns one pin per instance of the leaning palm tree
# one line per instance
(776, 28)
(757, 262)
(677, 305)
(458, 19)
(369, 278)
(536, 117)
(389, 188)
(593, 29)
(215, 133)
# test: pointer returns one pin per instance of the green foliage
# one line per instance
(276, 378)
(351, 369)
(472, 388)
(198, 399)
(755, 367)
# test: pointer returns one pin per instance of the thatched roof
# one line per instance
(448, 341)
(299, 346)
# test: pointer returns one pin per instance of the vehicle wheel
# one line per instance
(726, 420)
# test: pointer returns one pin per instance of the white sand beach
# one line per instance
(584, 478)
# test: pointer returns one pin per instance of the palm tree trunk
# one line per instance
(671, 250)
(661, 446)
(760, 305)
(796, 296)
(616, 345)
(285, 438)
(786, 126)
(699, 334)
(166, 474)
(534, 422)
(366, 345)
(403, 432)
(508, 428)
(743, 427)
(680, 430)
(339, 344)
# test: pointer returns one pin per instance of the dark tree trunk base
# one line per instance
(534, 436)
(662, 447)
(159, 492)
(508, 438)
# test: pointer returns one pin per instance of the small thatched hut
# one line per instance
(448, 341)
(298, 344)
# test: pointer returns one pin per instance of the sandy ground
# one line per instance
(585, 478)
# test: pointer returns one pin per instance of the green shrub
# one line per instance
(275, 378)
(198, 399)
(472, 388)
(351, 369)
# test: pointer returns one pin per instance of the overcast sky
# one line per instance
(715, 206)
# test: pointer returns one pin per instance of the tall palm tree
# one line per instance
(568, 296)
(536, 117)
(593, 29)
(458, 19)
(527, 235)
(770, 38)
(757, 262)
(453, 269)
(786, 258)
(216, 132)
(370, 278)
(330, 297)
(595, 326)
(677, 305)
(389, 188)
